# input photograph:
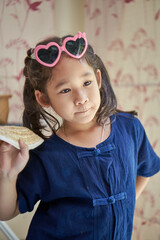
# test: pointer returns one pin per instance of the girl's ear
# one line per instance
(99, 78)
(42, 99)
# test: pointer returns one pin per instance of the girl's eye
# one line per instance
(65, 90)
(87, 83)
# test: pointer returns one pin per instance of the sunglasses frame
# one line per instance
(60, 49)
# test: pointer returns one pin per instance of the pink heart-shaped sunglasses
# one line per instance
(48, 55)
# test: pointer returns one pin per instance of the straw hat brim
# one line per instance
(11, 135)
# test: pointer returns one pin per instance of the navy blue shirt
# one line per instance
(86, 193)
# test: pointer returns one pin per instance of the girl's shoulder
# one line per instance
(128, 121)
(125, 117)
(49, 144)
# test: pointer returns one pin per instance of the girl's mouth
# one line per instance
(82, 111)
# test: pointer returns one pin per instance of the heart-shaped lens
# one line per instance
(48, 55)
(75, 47)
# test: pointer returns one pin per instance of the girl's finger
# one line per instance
(23, 148)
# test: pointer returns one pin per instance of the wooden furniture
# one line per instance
(4, 108)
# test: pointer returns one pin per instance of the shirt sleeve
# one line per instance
(148, 161)
(32, 184)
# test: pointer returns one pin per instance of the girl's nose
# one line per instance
(81, 98)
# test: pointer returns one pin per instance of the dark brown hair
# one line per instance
(35, 117)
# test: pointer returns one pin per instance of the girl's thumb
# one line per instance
(24, 149)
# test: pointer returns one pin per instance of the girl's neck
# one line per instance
(75, 128)
(84, 135)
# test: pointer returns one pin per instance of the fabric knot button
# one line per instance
(97, 152)
(111, 200)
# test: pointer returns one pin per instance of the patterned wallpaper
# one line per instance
(21, 23)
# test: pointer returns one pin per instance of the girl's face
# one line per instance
(73, 92)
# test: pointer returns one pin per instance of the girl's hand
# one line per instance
(12, 160)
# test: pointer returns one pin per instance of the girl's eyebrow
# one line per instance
(63, 82)
(86, 74)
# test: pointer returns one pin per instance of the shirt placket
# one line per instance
(100, 160)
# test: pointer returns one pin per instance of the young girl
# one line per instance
(88, 173)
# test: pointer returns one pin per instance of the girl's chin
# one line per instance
(85, 119)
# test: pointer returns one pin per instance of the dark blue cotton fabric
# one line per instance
(87, 193)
